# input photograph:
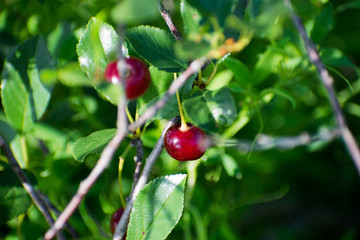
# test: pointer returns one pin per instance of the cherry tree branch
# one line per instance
(138, 160)
(150, 161)
(108, 152)
(103, 162)
(327, 81)
(265, 142)
(194, 67)
(27, 185)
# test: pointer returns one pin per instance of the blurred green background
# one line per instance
(310, 192)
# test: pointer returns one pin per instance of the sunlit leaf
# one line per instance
(156, 46)
(92, 144)
(157, 208)
(24, 96)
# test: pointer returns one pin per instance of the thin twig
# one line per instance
(51, 206)
(150, 161)
(27, 185)
(266, 142)
(327, 81)
(167, 17)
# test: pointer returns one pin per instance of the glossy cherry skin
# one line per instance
(137, 78)
(115, 218)
(186, 145)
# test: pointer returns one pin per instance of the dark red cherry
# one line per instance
(137, 78)
(185, 145)
(115, 218)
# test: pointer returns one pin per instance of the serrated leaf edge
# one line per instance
(182, 199)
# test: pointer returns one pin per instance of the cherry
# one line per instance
(137, 78)
(115, 218)
(185, 144)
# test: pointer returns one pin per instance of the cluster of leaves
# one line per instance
(56, 108)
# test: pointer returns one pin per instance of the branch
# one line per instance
(327, 81)
(138, 160)
(266, 142)
(151, 111)
(103, 162)
(150, 161)
(166, 15)
(27, 185)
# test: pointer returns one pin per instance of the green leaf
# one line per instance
(220, 80)
(231, 167)
(281, 93)
(241, 72)
(197, 110)
(191, 20)
(24, 96)
(92, 144)
(222, 106)
(169, 110)
(268, 63)
(13, 139)
(71, 75)
(156, 46)
(268, 18)
(219, 9)
(135, 11)
(14, 199)
(160, 82)
(334, 57)
(157, 208)
(97, 46)
(323, 24)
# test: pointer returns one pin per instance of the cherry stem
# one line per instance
(128, 114)
(121, 165)
(122, 198)
(183, 126)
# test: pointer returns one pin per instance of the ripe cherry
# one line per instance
(137, 78)
(185, 144)
(115, 218)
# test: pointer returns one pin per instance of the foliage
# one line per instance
(57, 115)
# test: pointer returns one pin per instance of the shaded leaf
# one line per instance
(323, 24)
(334, 57)
(281, 93)
(24, 96)
(92, 144)
(197, 110)
(156, 46)
(213, 8)
(98, 46)
(157, 208)
(241, 72)
(14, 199)
(191, 19)
(222, 106)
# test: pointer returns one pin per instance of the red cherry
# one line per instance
(137, 78)
(185, 145)
(115, 218)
